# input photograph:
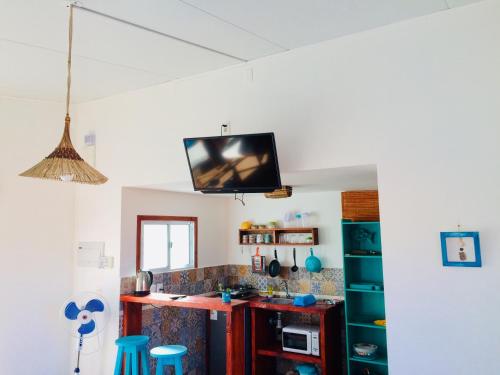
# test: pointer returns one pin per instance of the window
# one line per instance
(166, 243)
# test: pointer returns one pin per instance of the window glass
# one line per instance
(154, 245)
(167, 245)
(180, 243)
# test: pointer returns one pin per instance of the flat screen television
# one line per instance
(246, 163)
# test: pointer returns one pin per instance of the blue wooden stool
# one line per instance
(169, 355)
(131, 346)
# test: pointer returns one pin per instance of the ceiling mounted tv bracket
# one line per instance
(242, 199)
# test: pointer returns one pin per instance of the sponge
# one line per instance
(305, 300)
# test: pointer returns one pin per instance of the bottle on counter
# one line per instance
(279, 326)
(270, 291)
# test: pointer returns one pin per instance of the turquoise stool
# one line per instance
(132, 346)
(169, 355)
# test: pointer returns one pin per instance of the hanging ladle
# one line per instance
(294, 268)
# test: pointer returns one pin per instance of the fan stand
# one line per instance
(83, 315)
(80, 345)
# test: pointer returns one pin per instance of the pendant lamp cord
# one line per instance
(70, 46)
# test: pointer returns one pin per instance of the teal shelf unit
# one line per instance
(363, 307)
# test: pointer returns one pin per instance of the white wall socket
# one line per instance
(106, 262)
(226, 128)
(213, 314)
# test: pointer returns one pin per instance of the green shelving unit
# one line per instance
(364, 306)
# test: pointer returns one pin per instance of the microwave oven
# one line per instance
(303, 339)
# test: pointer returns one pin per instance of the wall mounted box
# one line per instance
(91, 254)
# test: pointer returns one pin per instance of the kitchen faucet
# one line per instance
(285, 284)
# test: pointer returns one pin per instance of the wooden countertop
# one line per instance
(318, 308)
(214, 303)
(189, 302)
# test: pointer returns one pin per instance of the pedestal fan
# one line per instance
(87, 315)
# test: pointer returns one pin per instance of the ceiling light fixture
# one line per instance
(64, 163)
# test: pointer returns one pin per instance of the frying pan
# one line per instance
(274, 266)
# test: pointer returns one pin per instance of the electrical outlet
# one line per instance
(226, 128)
(89, 139)
(213, 314)
(106, 262)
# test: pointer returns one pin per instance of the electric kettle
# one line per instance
(144, 280)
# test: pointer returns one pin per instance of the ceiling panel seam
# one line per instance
(81, 57)
(235, 25)
(145, 28)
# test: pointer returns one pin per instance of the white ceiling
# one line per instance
(362, 177)
(110, 57)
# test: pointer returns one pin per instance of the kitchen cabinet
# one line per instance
(234, 320)
(266, 350)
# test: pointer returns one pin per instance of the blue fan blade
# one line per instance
(94, 305)
(71, 311)
(87, 328)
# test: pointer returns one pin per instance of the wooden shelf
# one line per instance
(382, 361)
(276, 232)
(277, 244)
(364, 291)
(360, 222)
(364, 306)
(277, 351)
(366, 325)
(365, 321)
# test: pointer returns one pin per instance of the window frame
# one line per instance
(138, 251)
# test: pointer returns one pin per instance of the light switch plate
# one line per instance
(213, 314)
(106, 262)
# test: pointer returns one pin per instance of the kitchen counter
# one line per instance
(318, 308)
(235, 358)
(188, 302)
(266, 350)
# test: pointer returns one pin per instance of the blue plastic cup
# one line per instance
(226, 297)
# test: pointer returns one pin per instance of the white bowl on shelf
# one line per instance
(365, 350)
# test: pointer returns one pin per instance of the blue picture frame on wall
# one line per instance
(461, 249)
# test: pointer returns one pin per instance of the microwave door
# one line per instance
(297, 342)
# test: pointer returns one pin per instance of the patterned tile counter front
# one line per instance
(188, 326)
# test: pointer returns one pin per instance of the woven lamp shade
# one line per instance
(65, 164)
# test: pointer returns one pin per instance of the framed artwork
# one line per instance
(461, 249)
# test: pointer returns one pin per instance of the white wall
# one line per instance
(421, 99)
(36, 243)
(211, 211)
(327, 213)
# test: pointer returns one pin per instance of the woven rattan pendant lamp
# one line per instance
(64, 163)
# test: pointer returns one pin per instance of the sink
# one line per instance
(278, 301)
